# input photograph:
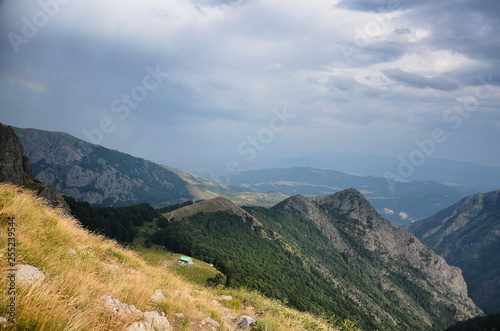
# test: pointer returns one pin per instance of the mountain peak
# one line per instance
(349, 201)
(300, 204)
(213, 205)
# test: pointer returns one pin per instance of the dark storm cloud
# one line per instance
(438, 83)
(378, 6)
(468, 27)
(231, 63)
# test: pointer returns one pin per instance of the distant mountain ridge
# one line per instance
(325, 254)
(465, 175)
(467, 235)
(107, 177)
(400, 202)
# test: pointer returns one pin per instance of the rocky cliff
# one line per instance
(15, 168)
(467, 235)
(14, 165)
(389, 255)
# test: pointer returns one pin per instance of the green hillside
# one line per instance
(314, 255)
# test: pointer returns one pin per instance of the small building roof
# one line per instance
(185, 259)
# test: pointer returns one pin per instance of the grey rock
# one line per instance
(27, 275)
(226, 313)
(152, 319)
(244, 322)
(212, 322)
(155, 321)
(112, 304)
(137, 326)
(14, 165)
(158, 296)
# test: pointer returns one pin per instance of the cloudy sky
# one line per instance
(188, 83)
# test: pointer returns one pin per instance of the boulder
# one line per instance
(156, 322)
(158, 296)
(244, 322)
(151, 319)
(28, 275)
(212, 322)
(226, 313)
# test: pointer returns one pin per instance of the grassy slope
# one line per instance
(199, 272)
(69, 297)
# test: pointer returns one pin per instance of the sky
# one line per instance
(235, 83)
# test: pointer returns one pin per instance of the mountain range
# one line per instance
(328, 254)
(465, 175)
(400, 202)
(107, 177)
(467, 235)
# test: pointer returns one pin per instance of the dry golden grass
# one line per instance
(69, 297)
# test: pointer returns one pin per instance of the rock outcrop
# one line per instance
(158, 296)
(245, 322)
(467, 235)
(151, 320)
(14, 165)
(15, 168)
